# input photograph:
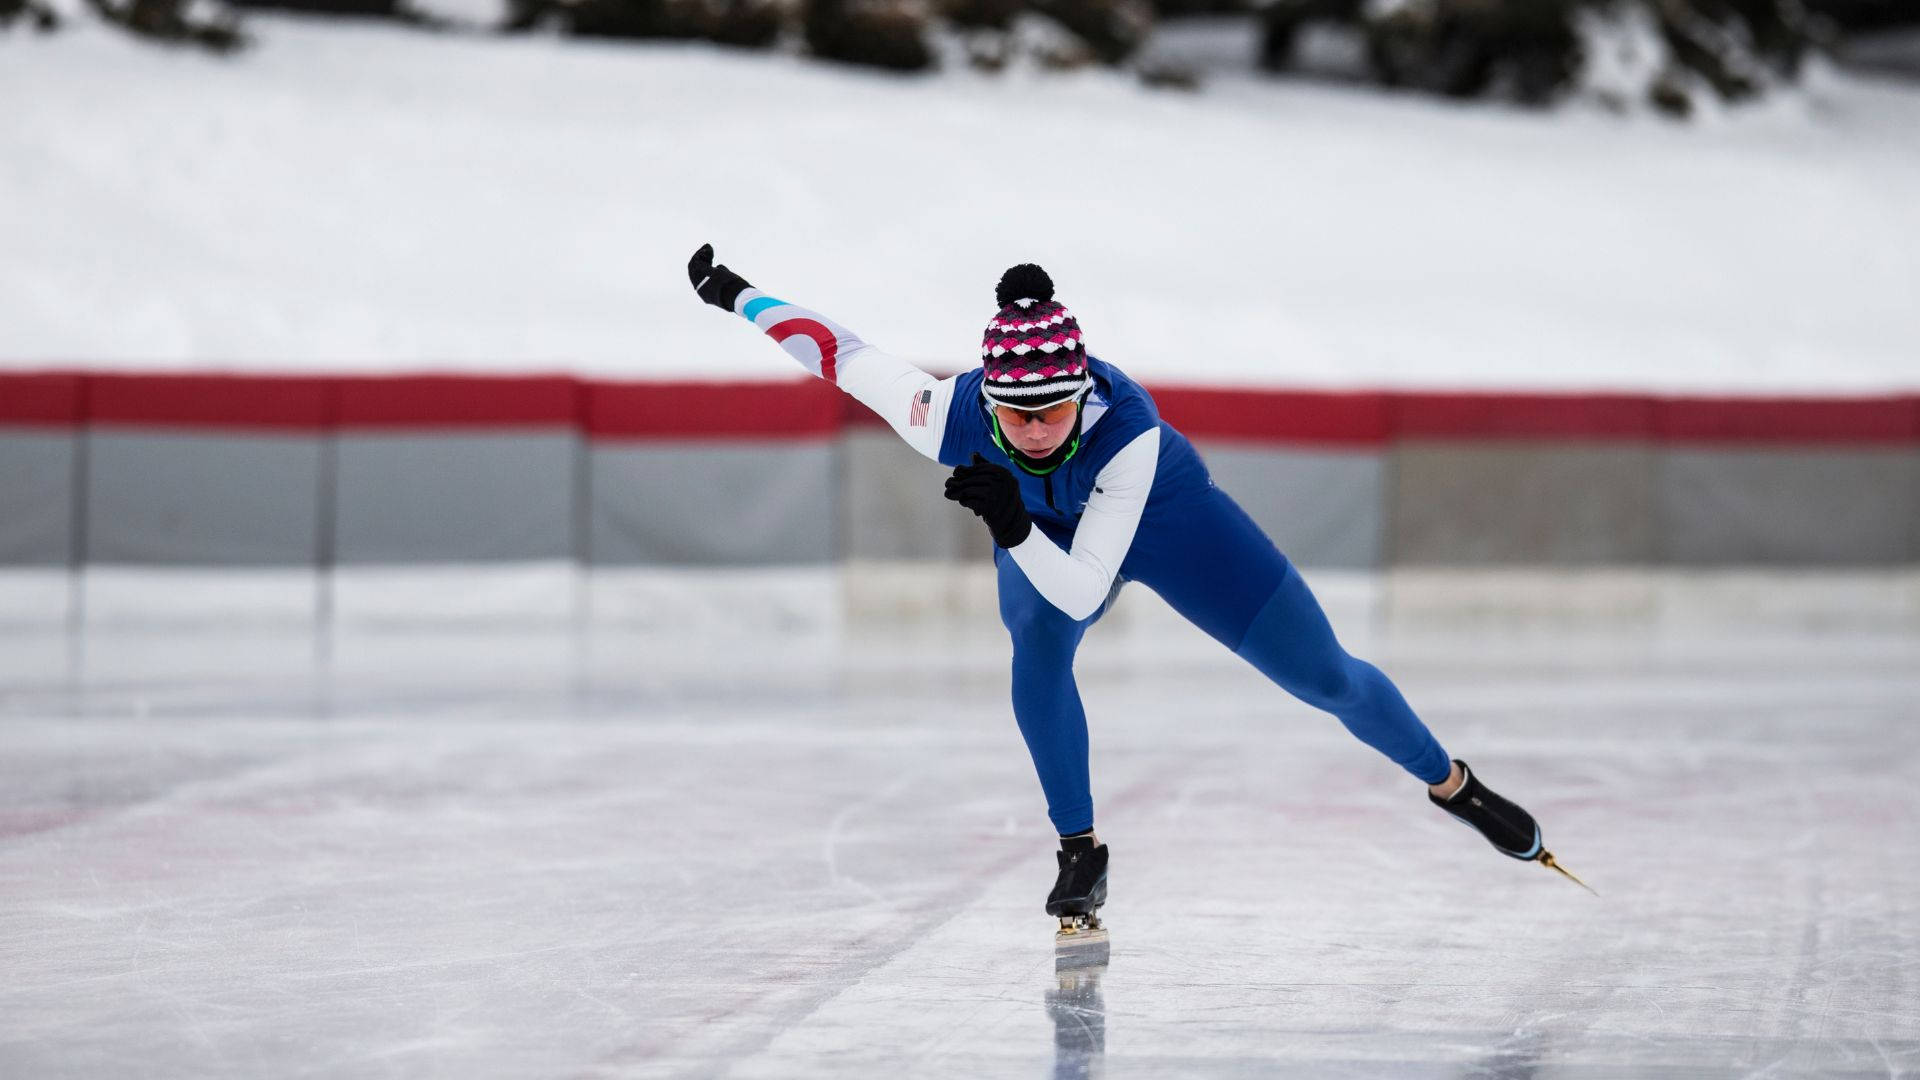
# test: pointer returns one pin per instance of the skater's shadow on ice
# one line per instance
(1079, 1021)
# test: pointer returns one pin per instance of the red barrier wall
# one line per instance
(810, 409)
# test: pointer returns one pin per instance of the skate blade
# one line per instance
(1080, 944)
(1545, 858)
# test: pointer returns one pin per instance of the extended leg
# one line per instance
(1215, 566)
(1292, 643)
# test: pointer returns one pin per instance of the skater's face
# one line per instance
(1037, 432)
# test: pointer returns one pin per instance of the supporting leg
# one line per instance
(1046, 700)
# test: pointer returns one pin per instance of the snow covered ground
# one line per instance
(365, 197)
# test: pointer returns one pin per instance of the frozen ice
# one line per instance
(818, 850)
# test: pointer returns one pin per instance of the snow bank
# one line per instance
(365, 197)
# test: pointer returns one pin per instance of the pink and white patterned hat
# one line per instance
(1032, 354)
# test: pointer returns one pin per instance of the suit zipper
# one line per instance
(1049, 479)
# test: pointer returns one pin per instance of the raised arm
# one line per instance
(910, 400)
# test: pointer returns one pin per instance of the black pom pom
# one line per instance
(1023, 282)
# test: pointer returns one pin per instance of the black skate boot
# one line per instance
(1075, 900)
(1508, 828)
(1082, 885)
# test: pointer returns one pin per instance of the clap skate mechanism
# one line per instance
(1081, 941)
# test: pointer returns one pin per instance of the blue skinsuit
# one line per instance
(1201, 553)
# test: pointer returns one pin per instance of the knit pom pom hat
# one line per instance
(1032, 353)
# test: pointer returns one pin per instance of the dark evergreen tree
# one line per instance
(171, 21)
(889, 34)
(372, 8)
(32, 12)
(1867, 14)
(744, 23)
(1113, 29)
(1533, 51)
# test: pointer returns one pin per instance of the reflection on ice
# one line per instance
(1520, 1057)
(1079, 1021)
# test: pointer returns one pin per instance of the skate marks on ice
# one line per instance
(1287, 913)
(963, 1002)
(763, 883)
(493, 899)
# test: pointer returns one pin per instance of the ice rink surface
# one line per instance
(817, 850)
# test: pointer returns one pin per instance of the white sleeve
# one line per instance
(910, 400)
(1077, 582)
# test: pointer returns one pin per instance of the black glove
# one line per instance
(717, 285)
(992, 492)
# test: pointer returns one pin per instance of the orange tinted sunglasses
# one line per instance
(1011, 417)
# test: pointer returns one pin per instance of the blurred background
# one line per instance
(319, 292)
(357, 419)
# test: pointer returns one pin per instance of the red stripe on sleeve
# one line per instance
(823, 337)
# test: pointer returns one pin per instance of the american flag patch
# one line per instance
(917, 416)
